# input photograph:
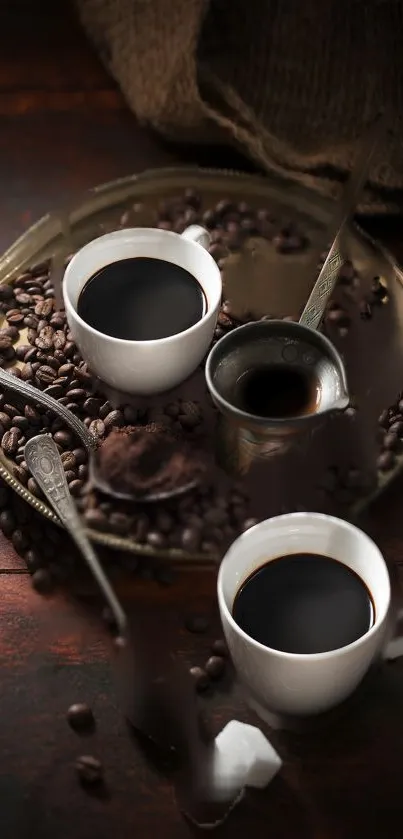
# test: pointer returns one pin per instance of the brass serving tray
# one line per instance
(58, 234)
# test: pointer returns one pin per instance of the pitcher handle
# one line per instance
(197, 234)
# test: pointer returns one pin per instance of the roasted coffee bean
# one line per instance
(96, 519)
(6, 293)
(97, 428)
(91, 406)
(81, 373)
(20, 422)
(10, 332)
(44, 308)
(9, 441)
(22, 298)
(5, 343)
(190, 539)
(32, 336)
(31, 321)
(73, 407)
(386, 461)
(390, 441)
(215, 667)
(7, 522)
(69, 349)
(32, 560)
(45, 375)
(80, 456)
(70, 473)
(27, 372)
(42, 581)
(68, 460)
(200, 678)
(65, 369)
(113, 420)
(82, 471)
(44, 341)
(120, 523)
(197, 623)
(156, 540)
(54, 390)
(47, 359)
(80, 717)
(129, 414)
(104, 410)
(395, 428)
(5, 420)
(59, 338)
(76, 394)
(34, 488)
(20, 474)
(14, 316)
(63, 438)
(219, 648)
(32, 415)
(19, 541)
(75, 487)
(89, 770)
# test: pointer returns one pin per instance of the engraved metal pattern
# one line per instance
(316, 304)
(45, 464)
(24, 389)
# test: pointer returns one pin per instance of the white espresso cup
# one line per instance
(291, 683)
(144, 367)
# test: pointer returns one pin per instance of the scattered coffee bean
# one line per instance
(386, 461)
(219, 648)
(390, 441)
(80, 717)
(42, 581)
(200, 678)
(89, 770)
(397, 428)
(215, 666)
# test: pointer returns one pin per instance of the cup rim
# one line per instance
(298, 657)
(117, 234)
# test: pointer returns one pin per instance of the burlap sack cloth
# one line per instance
(292, 82)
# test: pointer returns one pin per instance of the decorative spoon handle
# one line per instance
(44, 462)
(326, 281)
(17, 386)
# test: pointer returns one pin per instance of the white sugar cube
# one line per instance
(242, 757)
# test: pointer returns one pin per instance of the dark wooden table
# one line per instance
(64, 128)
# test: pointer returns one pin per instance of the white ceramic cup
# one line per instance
(291, 683)
(144, 367)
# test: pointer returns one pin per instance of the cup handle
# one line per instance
(394, 647)
(197, 234)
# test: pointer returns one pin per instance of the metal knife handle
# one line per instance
(32, 394)
(326, 281)
(44, 462)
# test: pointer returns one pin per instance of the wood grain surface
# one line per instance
(64, 128)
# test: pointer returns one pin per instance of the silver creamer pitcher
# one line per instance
(243, 435)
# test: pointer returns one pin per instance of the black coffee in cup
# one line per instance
(304, 603)
(277, 391)
(141, 299)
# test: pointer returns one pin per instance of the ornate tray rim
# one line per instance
(52, 232)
